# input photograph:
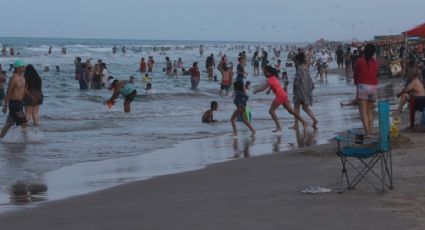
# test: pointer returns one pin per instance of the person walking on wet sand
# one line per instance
(366, 79)
(303, 89)
(281, 97)
(240, 102)
(14, 100)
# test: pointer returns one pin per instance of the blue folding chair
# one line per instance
(376, 151)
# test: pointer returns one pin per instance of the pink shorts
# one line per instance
(281, 100)
(367, 92)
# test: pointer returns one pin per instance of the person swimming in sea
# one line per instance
(126, 89)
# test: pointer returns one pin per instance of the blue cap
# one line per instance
(18, 63)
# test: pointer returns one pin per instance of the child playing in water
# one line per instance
(147, 79)
(148, 88)
(281, 97)
(208, 115)
(240, 101)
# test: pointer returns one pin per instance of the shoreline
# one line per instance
(261, 192)
(106, 175)
(189, 155)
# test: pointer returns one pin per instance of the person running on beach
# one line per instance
(240, 101)
(281, 97)
(365, 77)
(34, 88)
(303, 89)
(14, 100)
(195, 75)
(208, 115)
(127, 90)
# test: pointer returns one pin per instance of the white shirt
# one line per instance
(105, 76)
(324, 58)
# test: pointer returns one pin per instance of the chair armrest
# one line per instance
(343, 139)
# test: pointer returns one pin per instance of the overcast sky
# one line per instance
(239, 20)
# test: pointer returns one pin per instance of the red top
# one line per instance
(364, 73)
(194, 72)
(143, 66)
(274, 84)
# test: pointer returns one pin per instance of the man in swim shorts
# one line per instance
(14, 100)
(127, 90)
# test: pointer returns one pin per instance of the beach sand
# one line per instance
(254, 193)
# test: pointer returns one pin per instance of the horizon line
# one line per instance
(139, 39)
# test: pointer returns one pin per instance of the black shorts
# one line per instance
(131, 96)
(2, 95)
(16, 113)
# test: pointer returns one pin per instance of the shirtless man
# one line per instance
(14, 99)
(414, 88)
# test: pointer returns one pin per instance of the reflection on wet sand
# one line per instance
(245, 151)
(24, 192)
(306, 138)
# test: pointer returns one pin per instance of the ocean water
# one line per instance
(76, 128)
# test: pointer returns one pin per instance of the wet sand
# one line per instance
(254, 193)
(258, 192)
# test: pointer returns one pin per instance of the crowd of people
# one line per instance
(23, 97)
(25, 88)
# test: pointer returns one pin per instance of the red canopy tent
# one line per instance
(418, 31)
